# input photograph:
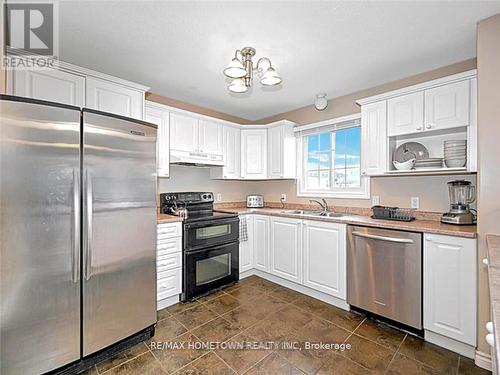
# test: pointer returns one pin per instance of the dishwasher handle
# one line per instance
(382, 238)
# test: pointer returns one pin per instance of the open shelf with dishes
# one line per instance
(444, 151)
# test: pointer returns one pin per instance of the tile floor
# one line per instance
(256, 310)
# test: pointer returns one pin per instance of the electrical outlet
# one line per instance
(219, 197)
(375, 200)
(283, 197)
(415, 202)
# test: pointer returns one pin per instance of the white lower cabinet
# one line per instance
(325, 257)
(450, 287)
(246, 247)
(168, 261)
(286, 248)
(261, 242)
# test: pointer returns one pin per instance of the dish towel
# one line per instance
(243, 230)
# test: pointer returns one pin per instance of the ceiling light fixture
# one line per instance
(241, 69)
(321, 102)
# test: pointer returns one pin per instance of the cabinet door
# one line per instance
(48, 84)
(447, 106)
(113, 98)
(183, 133)
(232, 152)
(162, 120)
(261, 242)
(450, 287)
(246, 247)
(286, 249)
(254, 153)
(405, 114)
(325, 257)
(374, 138)
(275, 152)
(210, 137)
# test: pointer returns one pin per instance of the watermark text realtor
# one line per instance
(31, 30)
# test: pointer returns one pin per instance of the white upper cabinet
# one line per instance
(109, 97)
(155, 114)
(183, 133)
(405, 114)
(261, 242)
(447, 106)
(281, 150)
(450, 287)
(254, 153)
(47, 84)
(325, 257)
(232, 155)
(374, 138)
(210, 137)
(286, 248)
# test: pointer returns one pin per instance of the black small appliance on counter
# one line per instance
(210, 243)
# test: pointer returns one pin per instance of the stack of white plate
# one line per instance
(429, 163)
(455, 153)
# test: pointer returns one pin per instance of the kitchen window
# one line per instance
(330, 164)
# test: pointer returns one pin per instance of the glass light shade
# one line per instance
(235, 69)
(238, 85)
(270, 78)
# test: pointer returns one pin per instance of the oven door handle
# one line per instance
(211, 248)
(211, 223)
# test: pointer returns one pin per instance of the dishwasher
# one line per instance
(384, 273)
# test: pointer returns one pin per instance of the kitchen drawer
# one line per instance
(172, 245)
(169, 230)
(169, 283)
(169, 262)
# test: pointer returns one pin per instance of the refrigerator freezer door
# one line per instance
(119, 229)
(39, 236)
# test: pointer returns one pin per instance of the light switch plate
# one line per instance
(283, 197)
(219, 197)
(375, 200)
(415, 202)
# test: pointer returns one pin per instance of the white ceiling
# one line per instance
(179, 49)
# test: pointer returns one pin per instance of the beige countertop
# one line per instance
(425, 226)
(493, 242)
(164, 218)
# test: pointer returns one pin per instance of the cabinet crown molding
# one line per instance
(469, 74)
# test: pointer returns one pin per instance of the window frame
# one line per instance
(363, 192)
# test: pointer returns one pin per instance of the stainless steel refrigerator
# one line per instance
(77, 233)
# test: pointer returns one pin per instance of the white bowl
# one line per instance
(405, 166)
(455, 163)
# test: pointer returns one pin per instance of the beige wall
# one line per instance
(194, 108)
(488, 60)
(346, 105)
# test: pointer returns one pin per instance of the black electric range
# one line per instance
(210, 243)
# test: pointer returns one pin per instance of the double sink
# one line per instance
(313, 213)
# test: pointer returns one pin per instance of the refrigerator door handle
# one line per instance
(76, 227)
(88, 216)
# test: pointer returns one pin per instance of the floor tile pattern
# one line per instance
(257, 310)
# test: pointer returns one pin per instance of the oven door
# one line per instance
(210, 233)
(209, 269)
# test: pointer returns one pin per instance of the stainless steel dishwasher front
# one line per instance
(384, 273)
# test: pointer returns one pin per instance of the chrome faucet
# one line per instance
(323, 204)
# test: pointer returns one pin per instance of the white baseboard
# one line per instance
(450, 344)
(166, 302)
(337, 302)
(483, 360)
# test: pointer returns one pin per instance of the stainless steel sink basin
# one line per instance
(313, 213)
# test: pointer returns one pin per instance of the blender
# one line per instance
(462, 193)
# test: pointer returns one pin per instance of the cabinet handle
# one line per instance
(485, 261)
(364, 172)
(419, 128)
(489, 327)
(428, 238)
(490, 339)
(428, 126)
